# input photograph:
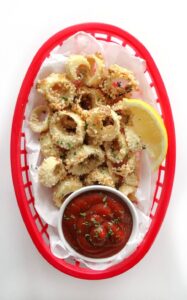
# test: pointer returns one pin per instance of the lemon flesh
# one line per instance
(148, 124)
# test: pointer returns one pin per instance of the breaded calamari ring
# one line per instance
(67, 129)
(103, 124)
(99, 176)
(51, 171)
(39, 119)
(119, 82)
(57, 89)
(132, 139)
(97, 69)
(84, 159)
(64, 188)
(87, 98)
(77, 68)
(117, 149)
(47, 147)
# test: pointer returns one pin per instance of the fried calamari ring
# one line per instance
(39, 119)
(116, 150)
(47, 147)
(64, 188)
(57, 89)
(77, 68)
(97, 69)
(103, 124)
(67, 129)
(87, 98)
(119, 82)
(99, 176)
(84, 159)
(132, 139)
(51, 171)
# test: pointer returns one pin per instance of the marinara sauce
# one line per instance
(97, 224)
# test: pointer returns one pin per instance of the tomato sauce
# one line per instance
(97, 224)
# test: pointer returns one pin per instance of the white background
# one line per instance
(161, 26)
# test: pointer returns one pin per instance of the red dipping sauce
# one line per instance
(97, 224)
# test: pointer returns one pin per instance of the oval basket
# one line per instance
(23, 186)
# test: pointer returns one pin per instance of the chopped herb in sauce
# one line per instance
(83, 214)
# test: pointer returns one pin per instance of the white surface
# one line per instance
(160, 25)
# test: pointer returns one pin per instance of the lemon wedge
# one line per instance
(148, 124)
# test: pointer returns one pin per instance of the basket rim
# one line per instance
(145, 245)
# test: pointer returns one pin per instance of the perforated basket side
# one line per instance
(23, 185)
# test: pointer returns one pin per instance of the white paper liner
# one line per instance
(83, 43)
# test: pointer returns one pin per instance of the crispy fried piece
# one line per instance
(120, 82)
(97, 69)
(128, 191)
(125, 168)
(51, 171)
(77, 68)
(39, 118)
(132, 179)
(125, 114)
(58, 90)
(84, 159)
(99, 176)
(86, 99)
(103, 124)
(47, 147)
(67, 129)
(117, 149)
(64, 188)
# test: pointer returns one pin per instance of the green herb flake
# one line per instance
(64, 98)
(110, 232)
(69, 145)
(86, 223)
(116, 220)
(86, 126)
(96, 235)
(83, 214)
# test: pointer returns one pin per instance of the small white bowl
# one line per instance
(89, 189)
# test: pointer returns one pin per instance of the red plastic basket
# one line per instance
(23, 185)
